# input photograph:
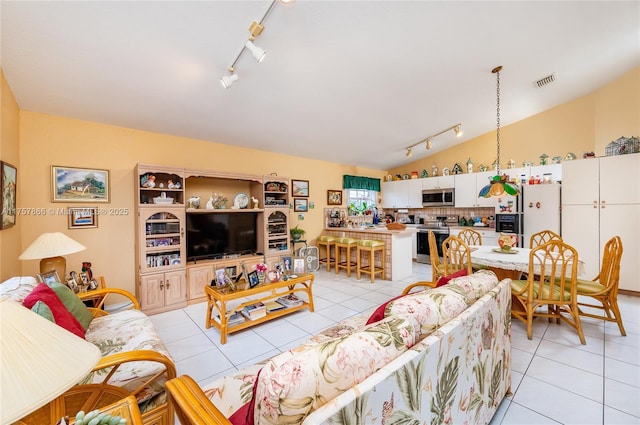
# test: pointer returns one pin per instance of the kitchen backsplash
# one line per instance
(427, 213)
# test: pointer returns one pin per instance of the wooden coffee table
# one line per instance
(219, 297)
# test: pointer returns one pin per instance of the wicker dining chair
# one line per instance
(542, 238)
(470, 236)
(604, 287)
(456, 254)
(554, 285)
(437, 268)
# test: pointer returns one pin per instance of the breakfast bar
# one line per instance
(398, 261)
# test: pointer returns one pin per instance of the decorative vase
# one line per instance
(507, 241)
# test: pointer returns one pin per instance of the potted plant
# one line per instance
(297, 233)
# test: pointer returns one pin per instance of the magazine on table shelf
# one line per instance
(234, 319)
(273, 306)
(291, 300)
(255, 311)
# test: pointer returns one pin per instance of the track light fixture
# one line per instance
(409, 153)
(427, 141)
(255, 29)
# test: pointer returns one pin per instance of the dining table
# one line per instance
(507, 264)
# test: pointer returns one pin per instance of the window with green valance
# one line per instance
(357, 182)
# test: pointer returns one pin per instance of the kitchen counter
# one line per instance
(398, 261)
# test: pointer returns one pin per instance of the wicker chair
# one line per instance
(470, 237)
(542, 238)
(604, 287)
(93, 396)
(457, 255)
(191, 404)
(437, 269)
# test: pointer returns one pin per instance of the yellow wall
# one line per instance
(9, 152)
(47, 140)
(585, 124)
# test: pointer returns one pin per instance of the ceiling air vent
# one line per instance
(546, 80)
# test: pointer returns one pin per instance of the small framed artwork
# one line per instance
(300, 188)
(8, 179)
(252, 278)
(220, 277)
(334, 197)
(287, 264)
(48, 277)
(298, 266)
(73, 285)
(71, 184)
(300, 204)
(83, 218)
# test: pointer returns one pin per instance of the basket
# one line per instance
(396, 226)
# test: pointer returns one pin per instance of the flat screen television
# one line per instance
(216, 235)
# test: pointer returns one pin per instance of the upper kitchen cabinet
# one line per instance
(467, 188)
(438, 182)
(402, 194)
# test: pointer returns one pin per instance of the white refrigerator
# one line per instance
(537, 208)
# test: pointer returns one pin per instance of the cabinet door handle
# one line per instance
(168, 284)
(161, 285)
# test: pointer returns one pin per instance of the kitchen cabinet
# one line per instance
(438, 182)
(402, 194)
(163, 291)
(601, 199)
(467, 188)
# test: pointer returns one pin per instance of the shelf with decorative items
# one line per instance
(276, 192)
(277, 232)
(159, 185)
(206, 190)
(163, 234)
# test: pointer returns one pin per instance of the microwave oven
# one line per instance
(438, 197)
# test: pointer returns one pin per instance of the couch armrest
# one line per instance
(191, 404)
(101, 295)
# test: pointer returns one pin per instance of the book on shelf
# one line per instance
(290, 300)
(254, 311)
(274, 306)
(234, 319)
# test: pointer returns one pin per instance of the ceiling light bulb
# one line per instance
(257, 52)
(429, 144)
(228, 80)
(408, 154)
(458, 131)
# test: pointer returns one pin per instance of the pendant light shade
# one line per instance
(498, 185)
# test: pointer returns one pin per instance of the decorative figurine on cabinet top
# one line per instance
(469, 166)
(511, 163)
(434, 170)
(543, 159)
(457, 169)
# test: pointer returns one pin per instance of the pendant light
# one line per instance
(498, 185)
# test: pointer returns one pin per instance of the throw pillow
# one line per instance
(61, 315)
(73, 303)
(41, 309)
(378, 315)
(445, 279)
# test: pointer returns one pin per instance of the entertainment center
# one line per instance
(180, 247)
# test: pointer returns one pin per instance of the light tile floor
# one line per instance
(555, 379)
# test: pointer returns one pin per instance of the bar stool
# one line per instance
(371, 247)
(347, 244)
(327, 242)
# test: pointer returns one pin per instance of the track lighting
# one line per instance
(257, 52)
(228, 80)
(255, 29)
(427, 141)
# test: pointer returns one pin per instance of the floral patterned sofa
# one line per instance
(438, 356)
(134, 361)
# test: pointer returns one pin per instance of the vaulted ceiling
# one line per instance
(353, 82)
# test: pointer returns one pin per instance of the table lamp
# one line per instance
(49, 248)
(39, 361)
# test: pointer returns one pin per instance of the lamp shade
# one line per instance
(51, 245)
(39, 360)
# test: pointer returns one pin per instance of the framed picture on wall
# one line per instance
(300, 188)
(300, 204)
(83, 218)
(8, 188)
(69, 184)
(334, 197)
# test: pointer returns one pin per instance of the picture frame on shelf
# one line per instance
(300, 188)
(334, 197)
(8, 193)
(252, 278)
(83, 218)
(300, 204)
(298, 266)
(287, 264)
(48, 277)
(72, 184)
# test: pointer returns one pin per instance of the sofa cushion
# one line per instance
(73, 303)
(61, 315)
(17, 288)
(378, 314)
(124, 331)
(41, 309)
(295, 383)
